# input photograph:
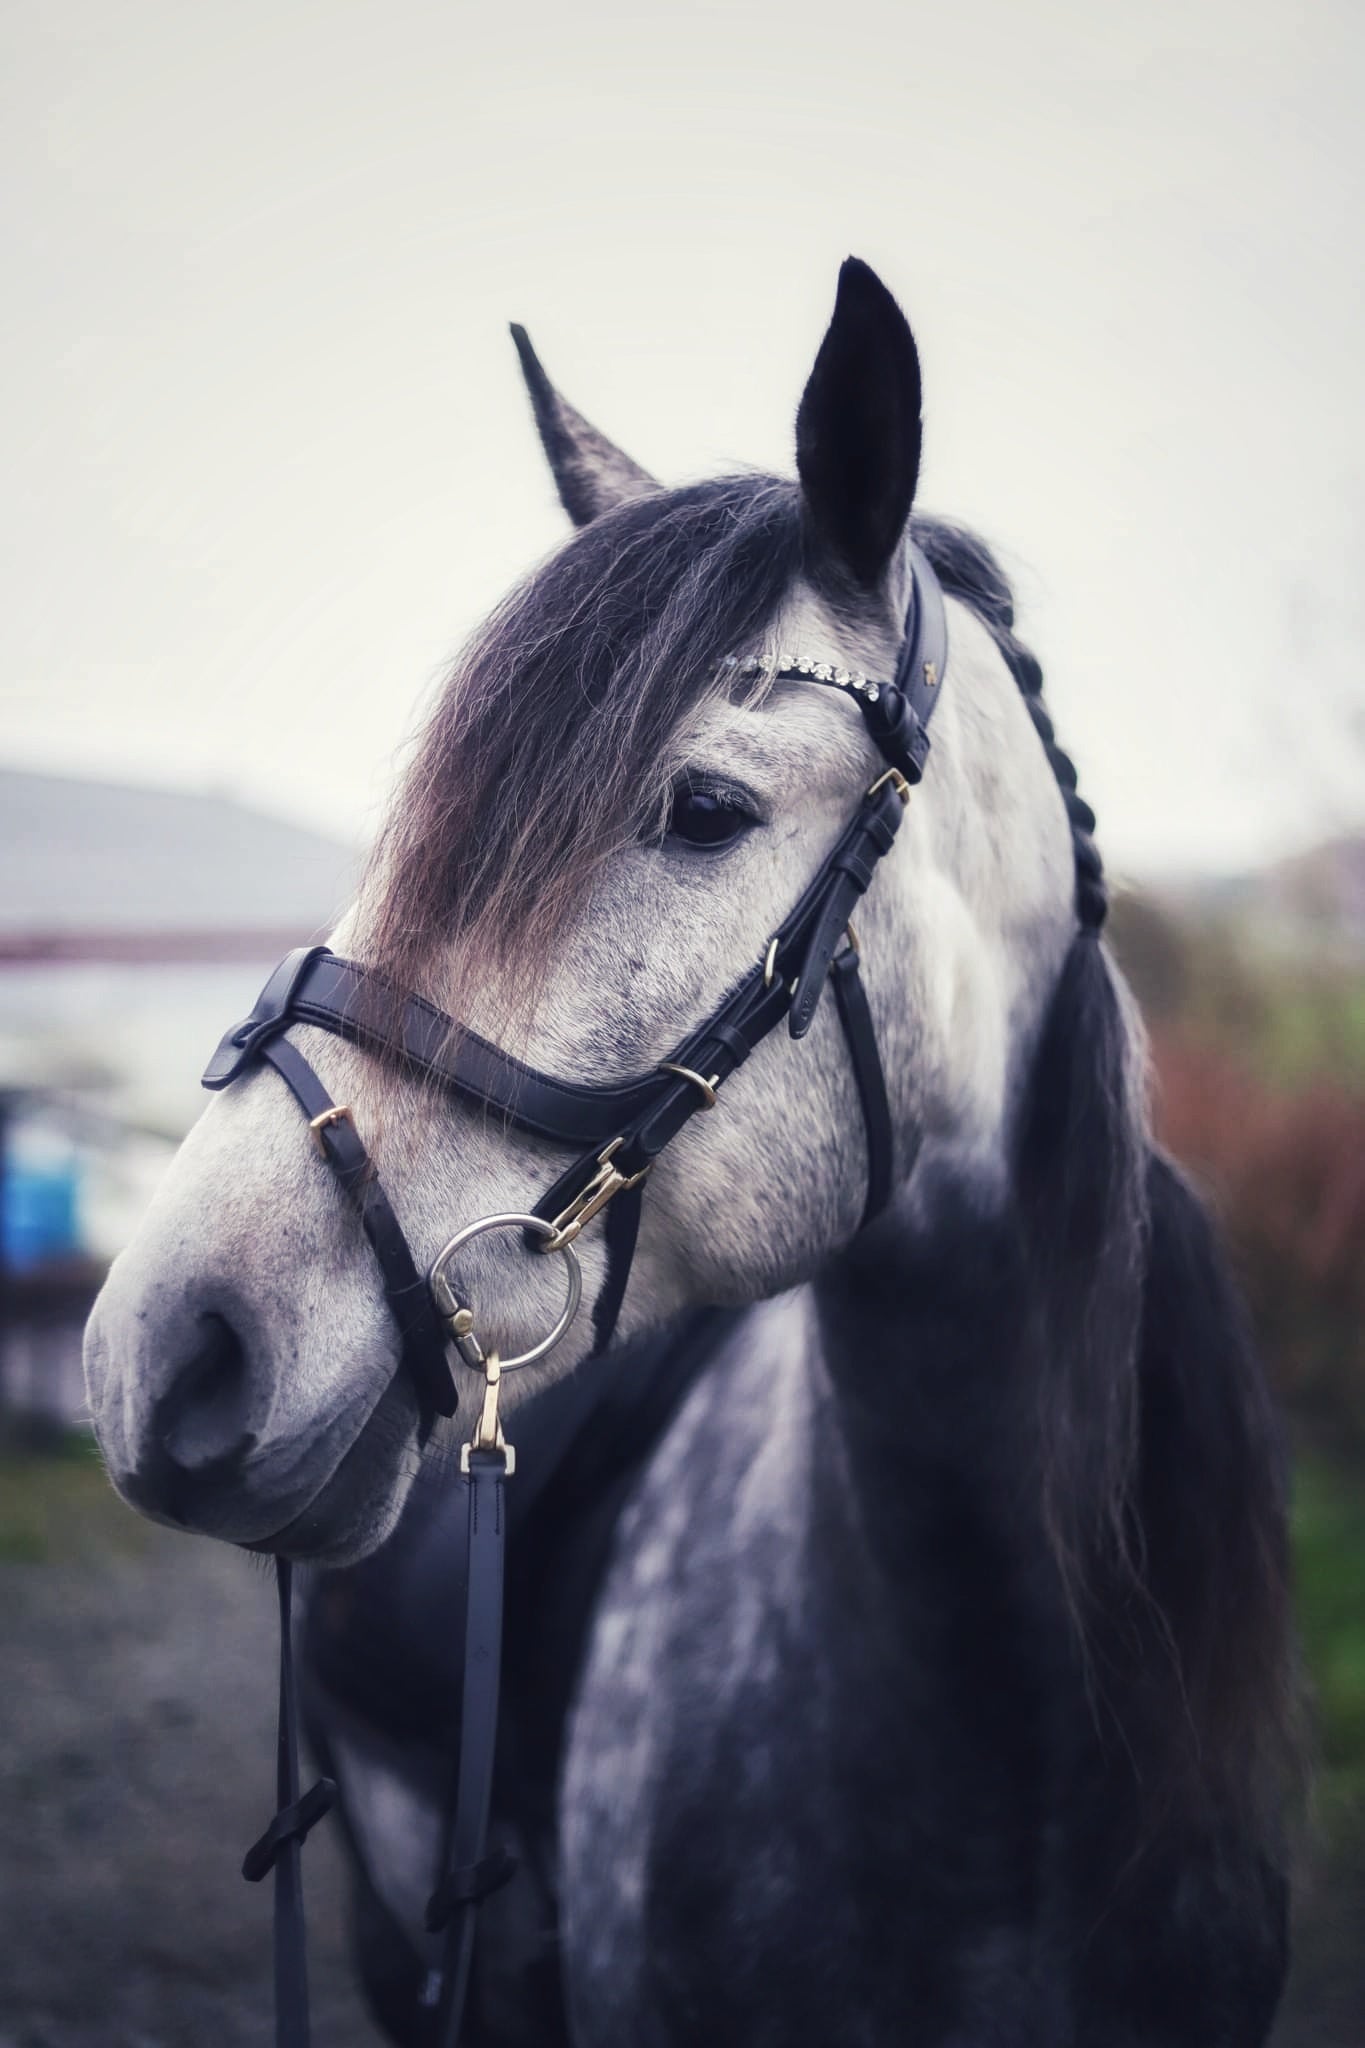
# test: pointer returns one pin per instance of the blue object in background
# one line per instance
(39, 1201)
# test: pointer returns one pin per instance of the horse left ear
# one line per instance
(858, 427)
(591, 473)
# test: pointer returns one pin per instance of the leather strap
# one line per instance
(850, 868)
(425, 1356)
(314, 986)
(866, 1060)
(454, 1903)
(622, 1231)
(280, 1847)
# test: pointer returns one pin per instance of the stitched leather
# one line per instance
(622, 1230)
(466, 1885)
(280, 1847)
(340, 997)
(850, 868)
(270, 1014)
(425, 1356)
(868, 1072)
(468, 1827)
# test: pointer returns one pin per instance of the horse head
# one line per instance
(615, 803)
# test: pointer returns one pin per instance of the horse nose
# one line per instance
(203, 1414)
(199, 1436)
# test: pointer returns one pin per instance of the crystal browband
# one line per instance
(789, 668)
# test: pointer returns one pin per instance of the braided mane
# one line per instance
(1162, 1479)
(969, 571)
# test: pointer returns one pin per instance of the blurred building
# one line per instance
(135, 924)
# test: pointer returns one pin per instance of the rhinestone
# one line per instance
(807, 668)
(844, 676)
(789, 661)
(872, 692)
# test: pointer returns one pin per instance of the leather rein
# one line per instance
(616, 1132)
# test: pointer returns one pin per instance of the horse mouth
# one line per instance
(358, 1504)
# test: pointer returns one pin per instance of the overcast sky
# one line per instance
(269, 456)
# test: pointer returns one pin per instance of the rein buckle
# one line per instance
(897, 781)
(488, 1434)
(605, 1183)
(336, 1113)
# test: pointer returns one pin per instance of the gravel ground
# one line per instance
(136, 1763)
(136, 1760)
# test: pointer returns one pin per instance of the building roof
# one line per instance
(107, 870)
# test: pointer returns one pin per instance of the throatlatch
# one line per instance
(616, 1134)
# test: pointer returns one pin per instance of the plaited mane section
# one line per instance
(969, 571)
(1151, 1384)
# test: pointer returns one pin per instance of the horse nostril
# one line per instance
(203, 1418)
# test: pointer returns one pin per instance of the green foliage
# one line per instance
(1329, 1570)
(57, 1504)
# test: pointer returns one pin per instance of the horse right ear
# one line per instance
(590, 472)
(858, 428)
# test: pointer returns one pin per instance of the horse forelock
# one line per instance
(547, 748)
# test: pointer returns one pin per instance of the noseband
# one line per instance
(615, 1133)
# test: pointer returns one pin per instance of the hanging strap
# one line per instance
(861, 1037)
(405, 1289)
(468, 1873)
(280, 1847)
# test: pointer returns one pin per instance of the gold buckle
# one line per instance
(709, 1097)
(605, 1183)
(897, 780)
(338, 1113)
(488, 1434)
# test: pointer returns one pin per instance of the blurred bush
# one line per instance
(1285, 1164)
(1258, 1047)
(1259, 1059)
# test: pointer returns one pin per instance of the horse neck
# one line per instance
(927, 1361)
(984, 1335)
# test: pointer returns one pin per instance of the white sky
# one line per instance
(269, 455)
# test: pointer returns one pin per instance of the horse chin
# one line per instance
(358, 1507)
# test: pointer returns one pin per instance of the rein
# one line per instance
(616, 1133)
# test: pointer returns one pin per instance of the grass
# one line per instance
(56, 1503)
(1313, 1030)
(1329, 1566)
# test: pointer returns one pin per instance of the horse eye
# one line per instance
(703, 817)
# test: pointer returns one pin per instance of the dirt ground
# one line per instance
(136, 1760)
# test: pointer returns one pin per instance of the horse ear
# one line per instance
(858, 427)
(591, 473)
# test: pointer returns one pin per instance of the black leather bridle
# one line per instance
(616, 1133)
